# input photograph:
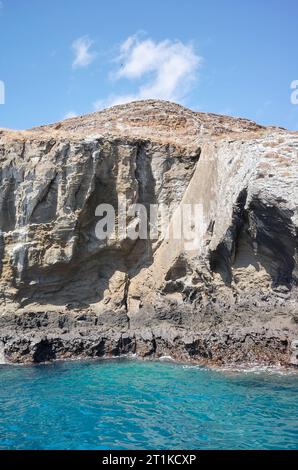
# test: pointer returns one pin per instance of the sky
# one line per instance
(60, 58)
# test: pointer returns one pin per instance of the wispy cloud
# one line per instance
(70, 114)
(164, 70)
(82, 54)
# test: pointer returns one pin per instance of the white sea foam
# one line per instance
(166, 358)
(247, 369)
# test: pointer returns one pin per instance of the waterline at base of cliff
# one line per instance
(35, 337)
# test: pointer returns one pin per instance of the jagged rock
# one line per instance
(64, 293)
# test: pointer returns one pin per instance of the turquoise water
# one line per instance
(129, 404)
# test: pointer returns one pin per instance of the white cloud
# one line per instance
(166, 69)
(69, 115)
(82, 54)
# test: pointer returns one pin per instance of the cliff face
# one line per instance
(65, 293)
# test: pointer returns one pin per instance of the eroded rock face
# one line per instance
(64, 293)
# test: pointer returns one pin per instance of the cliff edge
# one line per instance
(231, 298)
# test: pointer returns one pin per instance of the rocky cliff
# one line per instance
(65, 293)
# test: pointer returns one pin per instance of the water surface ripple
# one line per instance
(125, 404)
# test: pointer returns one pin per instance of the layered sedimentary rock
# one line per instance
(65, 293)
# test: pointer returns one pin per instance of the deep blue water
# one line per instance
(129, 404)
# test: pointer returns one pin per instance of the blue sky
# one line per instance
(64, 57)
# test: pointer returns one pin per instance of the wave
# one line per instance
(246, 369)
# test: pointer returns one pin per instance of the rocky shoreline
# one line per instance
(35, 337)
